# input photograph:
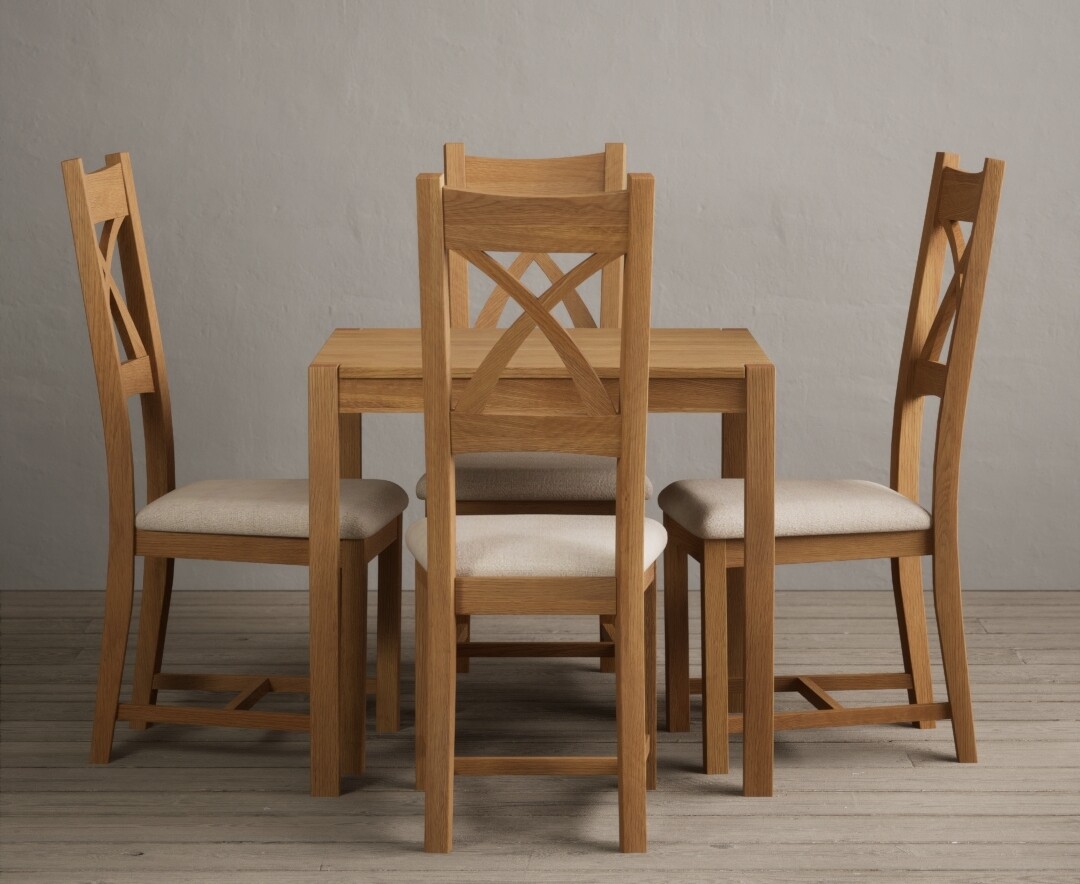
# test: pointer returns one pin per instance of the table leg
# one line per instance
(350, 446)
(324, 576)
(760, 553)
(353, 665)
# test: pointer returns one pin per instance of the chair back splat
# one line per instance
(105, 223)
(955, 198)
(603, 413)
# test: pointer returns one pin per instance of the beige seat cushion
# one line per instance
(712, 509)
(533, 476)
(269, 508)
(536, 545)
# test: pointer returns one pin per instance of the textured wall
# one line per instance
(275, 146)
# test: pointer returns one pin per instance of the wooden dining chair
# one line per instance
(840, 520)
(535, 563)
(245, 520)
(534, 482)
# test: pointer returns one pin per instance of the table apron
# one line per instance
(543, 395)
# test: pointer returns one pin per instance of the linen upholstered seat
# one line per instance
(712, 509)
(270, 508)
(542, 545)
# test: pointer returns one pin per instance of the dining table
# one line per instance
(691, 370)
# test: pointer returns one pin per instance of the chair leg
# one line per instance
(440, 673)
(714, 675)
(153, 622)
(950, 619)
(650, 680)
(911, 617)
(631, 719)
(420, 706)
(607, 664)
(388, 639)
(353, 673)
(119, 597)
(676, 639)
(463, 624)
(736, 632)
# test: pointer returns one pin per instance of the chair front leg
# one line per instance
(736, 633)
(153, 623)
(911, 618)
(676, 636)
(388, 639)
(353, 676)
(714, 674)
(607, 664)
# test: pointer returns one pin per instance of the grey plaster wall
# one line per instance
(275, 146)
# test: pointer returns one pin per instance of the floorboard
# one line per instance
(875, 804)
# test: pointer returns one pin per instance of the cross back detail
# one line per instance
(950, 301)
(122, 319)
(554, 176)
(496, 302)
(536, 313)
(959, 200)
(132, 341)
(942, 328)
(470, 227)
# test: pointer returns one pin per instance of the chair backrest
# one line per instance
(557, 176)
(591, 420)
(105, 224)
(956, 198)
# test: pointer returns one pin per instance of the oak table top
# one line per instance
(673, 352)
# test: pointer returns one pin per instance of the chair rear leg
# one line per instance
(439, 641)
(676, 637)
(631, 724)
(119, 597)
(650, 680)
(153, 623)
(714, 674)
(420, 704)
(950, 619)
(388, 643)
(353, 673)
(911, 617)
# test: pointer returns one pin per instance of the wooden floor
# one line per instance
(868, 804)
